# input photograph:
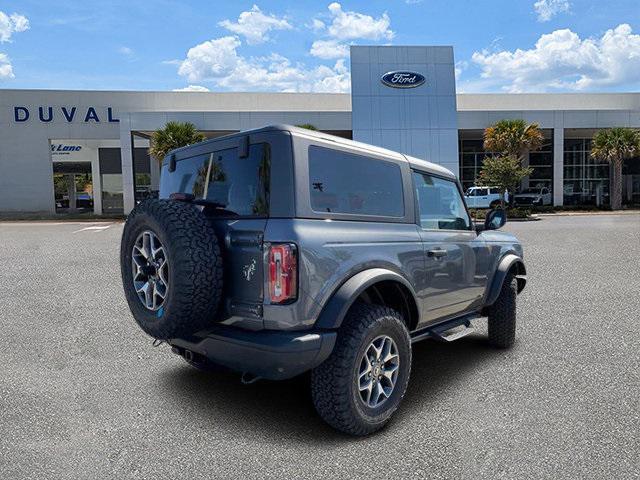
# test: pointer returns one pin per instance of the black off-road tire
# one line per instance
(502, 315)
(194, 273)
(333, 383)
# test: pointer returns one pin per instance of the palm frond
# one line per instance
(173, 135)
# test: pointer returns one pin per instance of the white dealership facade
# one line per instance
(67, 151)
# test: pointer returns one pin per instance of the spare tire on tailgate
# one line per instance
(171, 268)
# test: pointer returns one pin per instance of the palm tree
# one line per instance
(615, 145)
(513, 138)
(173, 135)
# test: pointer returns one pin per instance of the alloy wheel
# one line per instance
(150, 270)
(378, 372)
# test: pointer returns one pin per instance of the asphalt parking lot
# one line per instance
(84, 395)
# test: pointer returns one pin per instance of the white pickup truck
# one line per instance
(483, 197)
(533, 196)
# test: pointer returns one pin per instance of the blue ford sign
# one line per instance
(402, 79)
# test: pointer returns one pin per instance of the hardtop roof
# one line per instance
(328, 138)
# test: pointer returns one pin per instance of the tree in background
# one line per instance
(615, 145)
(173, 135)
(308, 126)
(503, 172)
(510, 140)
(513, 138)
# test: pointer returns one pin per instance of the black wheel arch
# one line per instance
(510, 263)
(379, 286)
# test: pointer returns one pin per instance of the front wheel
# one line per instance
(359, 387)
(502, 315)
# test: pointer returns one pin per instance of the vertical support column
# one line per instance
(96, 181)
(558, 165)
(126, 154)
(71, 191)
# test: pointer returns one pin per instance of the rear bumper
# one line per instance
(269, 354)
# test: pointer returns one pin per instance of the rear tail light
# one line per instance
(283, 273)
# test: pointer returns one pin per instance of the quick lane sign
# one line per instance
(62, 149)
(47, 114)
(402, 79)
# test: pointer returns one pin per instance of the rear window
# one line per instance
(342, 182)
(239, 185)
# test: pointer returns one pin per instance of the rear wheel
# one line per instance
(359, 387)
(502, 315)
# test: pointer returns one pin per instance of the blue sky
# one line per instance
(500, 46)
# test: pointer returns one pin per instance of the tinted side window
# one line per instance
(440, 205)
(342, 182)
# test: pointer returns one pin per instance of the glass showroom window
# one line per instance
(472, 157)
(111, 179)
(542, 163)
(586, 181)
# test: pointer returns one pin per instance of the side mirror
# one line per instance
(495, 219)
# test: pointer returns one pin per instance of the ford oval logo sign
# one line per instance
(402, 79)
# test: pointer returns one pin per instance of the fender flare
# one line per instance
(504, 266)
(336, 308)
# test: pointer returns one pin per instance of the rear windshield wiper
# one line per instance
(190, 198)
(219, 207)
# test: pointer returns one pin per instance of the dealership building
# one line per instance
(86, 151)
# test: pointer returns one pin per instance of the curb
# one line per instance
(577, 214)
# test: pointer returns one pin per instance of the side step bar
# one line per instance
(448, 331)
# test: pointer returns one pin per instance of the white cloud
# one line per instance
(126, 51)
(561, 60)
(218, 61)
(316, 25)
(547, 9)
(254, 25)
(352, 25)
(346, 26)
(10, 24)
(192, 88)
(460, 67)
(329, 49)
(210, 59)
(6, 70)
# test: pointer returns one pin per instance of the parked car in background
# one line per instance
(483, 197)
(533, 196)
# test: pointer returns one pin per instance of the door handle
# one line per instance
(437, 253)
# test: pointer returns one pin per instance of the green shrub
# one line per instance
(513, 212)
(518, 212)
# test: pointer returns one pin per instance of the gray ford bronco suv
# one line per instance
(279, 251)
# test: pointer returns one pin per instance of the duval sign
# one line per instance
(402, 79)
(47, 114)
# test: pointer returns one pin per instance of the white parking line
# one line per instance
(95, 228)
